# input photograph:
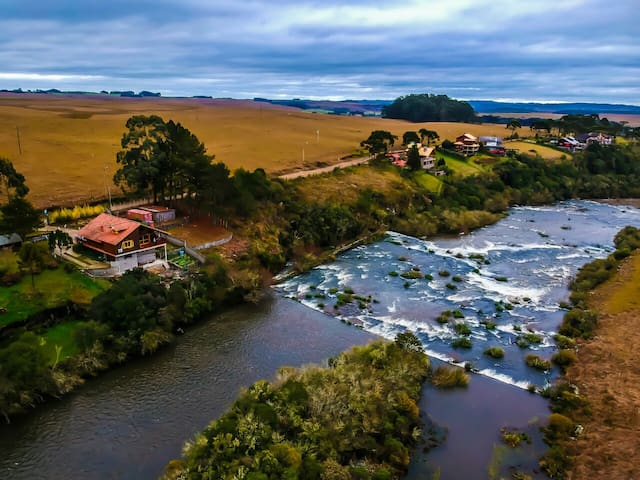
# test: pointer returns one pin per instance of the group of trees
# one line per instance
(162, 158)
(17, 215)
(356, 419)
(575, 124)
(420, 136)
(429, 108)
(167, 161)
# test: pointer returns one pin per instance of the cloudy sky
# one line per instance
(539, 50)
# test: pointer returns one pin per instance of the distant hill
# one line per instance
(488, 106)
(374, 107)
(343, 107)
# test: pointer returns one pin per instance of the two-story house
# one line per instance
(125, 243)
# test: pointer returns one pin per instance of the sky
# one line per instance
(510, 50)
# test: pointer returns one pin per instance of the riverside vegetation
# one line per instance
(358, 418)
(570, 407)
(275, 221)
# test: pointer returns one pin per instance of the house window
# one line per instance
(146, 238)
(127, 244)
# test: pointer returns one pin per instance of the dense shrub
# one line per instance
(537, 362)
(461, 342)
(564, 358)
(494, 352)
(356, 419)
(449, 377)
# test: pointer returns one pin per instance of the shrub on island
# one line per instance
(359, 414)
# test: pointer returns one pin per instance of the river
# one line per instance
(131, 421)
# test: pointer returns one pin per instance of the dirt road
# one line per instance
(330, 168)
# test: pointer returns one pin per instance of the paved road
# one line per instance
(330, 168)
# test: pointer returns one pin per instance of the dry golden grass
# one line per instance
(69, 142)
(607, 375)
(351, 182)
(532, 148)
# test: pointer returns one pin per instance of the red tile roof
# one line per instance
(107, 228)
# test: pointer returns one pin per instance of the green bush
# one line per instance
(461, 342)
(539, 363)
(462, 328)
(564, 342)
(449, 377)
(494, 352)
(579, 323)
(558, 427)
(411, 274)
(564, 358)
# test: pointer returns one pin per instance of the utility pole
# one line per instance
(18, 135)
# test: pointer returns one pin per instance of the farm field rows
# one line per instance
(69, 142)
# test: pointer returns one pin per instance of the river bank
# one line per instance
(129, 422)
(607, 376)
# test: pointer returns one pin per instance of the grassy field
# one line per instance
(430, 182)
(547, 153)
(607, 375)
(69, 142)
(53, 289)
(461, 167)
(352, 181)
(61, 336)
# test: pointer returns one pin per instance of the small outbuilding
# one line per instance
(10, 240)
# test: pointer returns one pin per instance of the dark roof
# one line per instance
(10, 239)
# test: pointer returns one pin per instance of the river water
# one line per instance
(130, 422)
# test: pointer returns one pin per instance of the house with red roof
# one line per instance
(125, 243)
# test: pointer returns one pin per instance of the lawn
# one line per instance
(54, 288)
(545, 152)
(80, 135)
(460, 167)
(61, 336)
(428, 181)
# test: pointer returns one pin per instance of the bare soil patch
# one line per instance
(607, 374)
(199, 231)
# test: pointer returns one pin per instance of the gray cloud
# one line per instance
(583, 50)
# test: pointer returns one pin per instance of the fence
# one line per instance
(182, 244)
(214, 244)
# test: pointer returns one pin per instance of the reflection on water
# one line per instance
(128, 423)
